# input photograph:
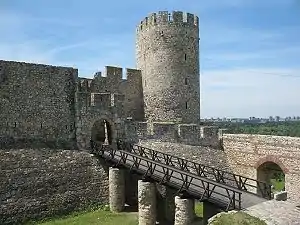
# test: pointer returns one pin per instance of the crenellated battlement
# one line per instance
(176, 18)
(111, 77)
(190, 134)
(113, 72)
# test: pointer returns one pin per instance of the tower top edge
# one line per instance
(178, 18)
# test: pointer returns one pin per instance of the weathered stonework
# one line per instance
(116, 189)
(147, 202)
(200, 154)
(157, 106)
(32, 97)
(37, 183)
(184, 211)
(246, 153)
(167, 52)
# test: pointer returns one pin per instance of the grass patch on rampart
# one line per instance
(97, 217)
(237, 218)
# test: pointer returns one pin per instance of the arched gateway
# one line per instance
(272, 172)
(102, 132)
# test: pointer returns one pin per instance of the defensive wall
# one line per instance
(32, 96)
(111, 81)
(243, 154)
(190, 134)
(246, 153)
(38, 183)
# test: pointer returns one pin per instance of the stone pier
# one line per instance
(116, 189)
(147, 202)
(184, 212)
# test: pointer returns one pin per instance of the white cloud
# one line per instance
(258, 54)
(89, 53)
(245, 92)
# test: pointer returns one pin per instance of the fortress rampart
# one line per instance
(190, 134)
(32, 97)
(112, 82)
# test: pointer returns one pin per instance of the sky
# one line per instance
(249, 49)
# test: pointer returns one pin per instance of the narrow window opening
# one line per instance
(186, 105)
(15, 124)
(185, 81)
(185, 57)
(41, 125)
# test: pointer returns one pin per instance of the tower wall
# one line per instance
(167, 53)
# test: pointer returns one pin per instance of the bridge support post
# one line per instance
(209, 210)
(116, 189)
(147, 202)
(184, 212)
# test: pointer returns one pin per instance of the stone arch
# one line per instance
(272, 171)
(86, 123)
(102, 127)
(274, 159)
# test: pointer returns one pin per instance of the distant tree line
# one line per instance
(285, 128)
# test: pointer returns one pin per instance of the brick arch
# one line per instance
(273, 159)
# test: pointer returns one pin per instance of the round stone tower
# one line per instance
(167, 52)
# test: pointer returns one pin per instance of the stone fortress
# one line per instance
(157, 106)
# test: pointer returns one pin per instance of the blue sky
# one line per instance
(250, 49)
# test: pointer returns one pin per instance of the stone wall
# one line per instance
(245, 153)
(32, 96)
(167, 52)
(39, 183)
(112, 82)
(189, 134)
(200, 154)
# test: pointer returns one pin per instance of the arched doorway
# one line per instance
(273, 174)
(102, 132)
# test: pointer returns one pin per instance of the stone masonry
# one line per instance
(45, 107)
(32, 97)
(167, 53)
(38, 183)
(246, 153)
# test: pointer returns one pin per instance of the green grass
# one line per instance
(239, 218)
(278, 185)
(199, 209)
(97, 217)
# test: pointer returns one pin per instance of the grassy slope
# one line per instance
(102, 217)
(98, 217)
(239, 218)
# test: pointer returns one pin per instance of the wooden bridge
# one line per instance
(226, 190)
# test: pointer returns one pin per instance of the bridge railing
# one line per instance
(198, 187)
(243, 183)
